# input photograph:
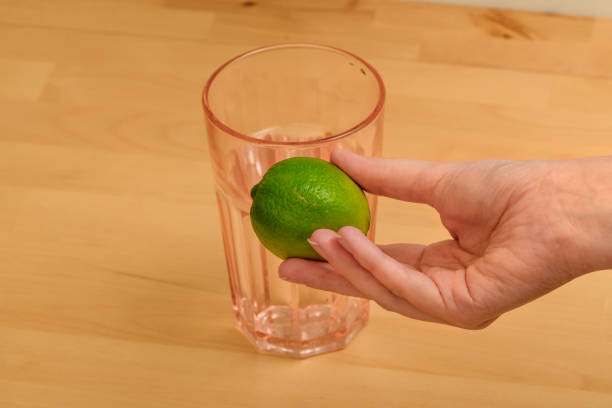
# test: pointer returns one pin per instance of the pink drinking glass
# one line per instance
(261, 107)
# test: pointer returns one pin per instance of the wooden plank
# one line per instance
(208, 371)
(111, 17)
(21, 79)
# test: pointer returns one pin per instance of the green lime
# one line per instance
(300, 195)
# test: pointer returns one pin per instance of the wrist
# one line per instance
(584, 192)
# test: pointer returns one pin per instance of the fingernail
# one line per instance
(316, 247)
(341, 242)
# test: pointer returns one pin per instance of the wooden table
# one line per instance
(113, 290)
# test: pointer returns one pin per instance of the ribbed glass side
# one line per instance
(276, 315)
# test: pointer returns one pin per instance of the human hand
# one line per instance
(519, 229)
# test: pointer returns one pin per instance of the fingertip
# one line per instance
(347, 161)
(339, 156)
(318, 275)
(350, 231)
(286, 268)
(297, 269)
(321, 236)
(352, 239)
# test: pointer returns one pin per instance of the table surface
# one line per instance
(113, 289)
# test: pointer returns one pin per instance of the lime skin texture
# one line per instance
(299, 195)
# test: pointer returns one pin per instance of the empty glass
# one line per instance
(264, 106)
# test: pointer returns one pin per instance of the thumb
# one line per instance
(409, 180)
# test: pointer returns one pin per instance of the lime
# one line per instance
(299, 195)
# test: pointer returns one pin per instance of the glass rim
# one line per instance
(362, 124)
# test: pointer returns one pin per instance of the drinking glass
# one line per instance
(261, 107)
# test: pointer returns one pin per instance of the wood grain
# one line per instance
(113, 286)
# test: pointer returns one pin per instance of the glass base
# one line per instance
(303, 333)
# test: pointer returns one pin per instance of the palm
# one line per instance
(493, 264)
(474, 289)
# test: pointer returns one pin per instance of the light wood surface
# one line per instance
(113, 289)
(595, 8)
